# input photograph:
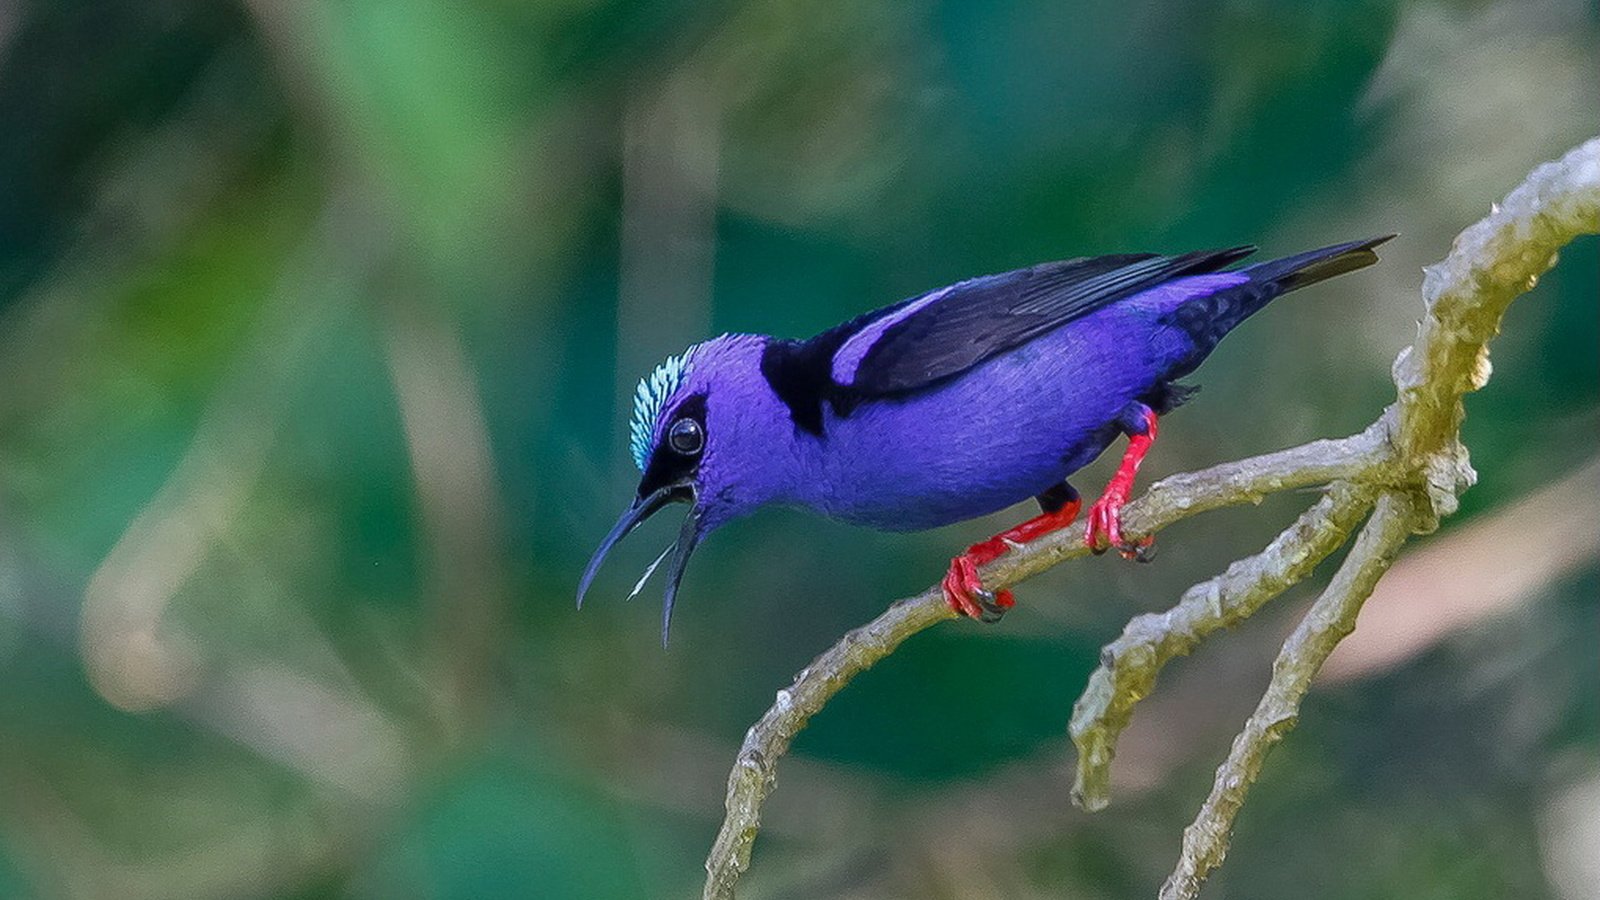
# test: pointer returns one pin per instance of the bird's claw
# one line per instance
(1105, 531)
(989, 604)
(1105, 524)
(965, 593)
(1141, 551)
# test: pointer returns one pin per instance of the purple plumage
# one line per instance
(1009, 429)
(951, 405)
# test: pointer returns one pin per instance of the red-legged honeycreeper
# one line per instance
(949, 405)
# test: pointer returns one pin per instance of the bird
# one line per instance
(949, 405)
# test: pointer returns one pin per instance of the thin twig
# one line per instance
(1130, 664)
(1205, 841)
(1360, 456)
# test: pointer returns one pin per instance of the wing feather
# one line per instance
(980, 318)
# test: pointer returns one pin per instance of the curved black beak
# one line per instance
(642, 509)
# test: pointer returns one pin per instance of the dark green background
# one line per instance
(317, 326)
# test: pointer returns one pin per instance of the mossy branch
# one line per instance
(1407, 469)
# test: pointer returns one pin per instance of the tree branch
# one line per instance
(1411, 452)
(1489, 265)
(1167, 501)
(1129, 665)
(1333, 616)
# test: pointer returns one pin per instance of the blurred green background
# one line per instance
(317, 325)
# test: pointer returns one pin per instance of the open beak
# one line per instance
(688, 535)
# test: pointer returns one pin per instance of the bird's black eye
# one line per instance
(685, 437)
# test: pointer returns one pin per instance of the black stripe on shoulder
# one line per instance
(800, 373)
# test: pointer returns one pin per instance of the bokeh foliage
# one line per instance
(316, 326)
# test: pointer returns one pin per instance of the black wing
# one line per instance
(977, 319)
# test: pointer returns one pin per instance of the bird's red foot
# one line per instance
(965, 593)
(964, 590)
(1105, 516)
(1105, 528)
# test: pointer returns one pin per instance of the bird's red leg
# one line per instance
(1105, 516)
(964, 590)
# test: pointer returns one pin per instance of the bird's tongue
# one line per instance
(650, 570)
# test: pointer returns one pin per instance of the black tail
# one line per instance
(1302, 269)
(1210, 317)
